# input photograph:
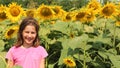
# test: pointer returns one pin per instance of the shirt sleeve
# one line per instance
(43, 52)
(9, 54)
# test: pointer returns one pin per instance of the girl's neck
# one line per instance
(27, 45)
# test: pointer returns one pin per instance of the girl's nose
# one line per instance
(29, 35)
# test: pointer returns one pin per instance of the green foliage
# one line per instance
(2, 62)
(93, 49)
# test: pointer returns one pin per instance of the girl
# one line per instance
(26, 52)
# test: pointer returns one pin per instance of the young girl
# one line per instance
(26, 52)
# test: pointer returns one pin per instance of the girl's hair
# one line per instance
(24, 23)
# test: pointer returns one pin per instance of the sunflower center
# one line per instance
(80, 15)
(3, 15)
(14, 11)
(108, 11)
(72, 35)
(68, 17)
(46, 11)
(70, 62)
(10, 32)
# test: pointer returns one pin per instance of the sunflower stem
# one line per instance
(46, 61)
(114, 34)
(84, 62)
(105, 27)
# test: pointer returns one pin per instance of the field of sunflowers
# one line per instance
(86, 36)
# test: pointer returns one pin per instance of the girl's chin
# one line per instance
(29, 43)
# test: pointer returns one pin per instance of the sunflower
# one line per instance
(117, 18)
(58, 11)
(14, 12)
(30, 13)
(117, 23)
(45, 12)
(94, 5)
(109, 10)
(118, 6)
(11, 31)
(69, 62)
(90, 16)
(2, 13)
(68, 16)
(80, 15)
(2, 8)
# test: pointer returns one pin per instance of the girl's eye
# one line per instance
(32, 32)
(26, 31)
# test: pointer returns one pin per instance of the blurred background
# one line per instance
(66, 4)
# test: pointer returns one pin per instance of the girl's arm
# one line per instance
(42, 63)
(10, 64)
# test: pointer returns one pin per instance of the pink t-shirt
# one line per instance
(27, 57)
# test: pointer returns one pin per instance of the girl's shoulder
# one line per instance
(40, 47)
(42, 51)
(13, 48)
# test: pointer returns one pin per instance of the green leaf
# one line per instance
(102, 39)
(118, 46)
(44, 31)
(2, 62)
(96, 65)
(103, 54)
(63, 55)
(77, 42)
(86, 58)
(51, 65)
(2, 43)
(60, 26)
(115, 59)
(112, 51)
(2, 27)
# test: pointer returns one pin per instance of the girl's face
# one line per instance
(29, 35)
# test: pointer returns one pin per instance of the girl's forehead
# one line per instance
(30, 25)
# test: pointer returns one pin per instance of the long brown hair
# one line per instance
(23, 24)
